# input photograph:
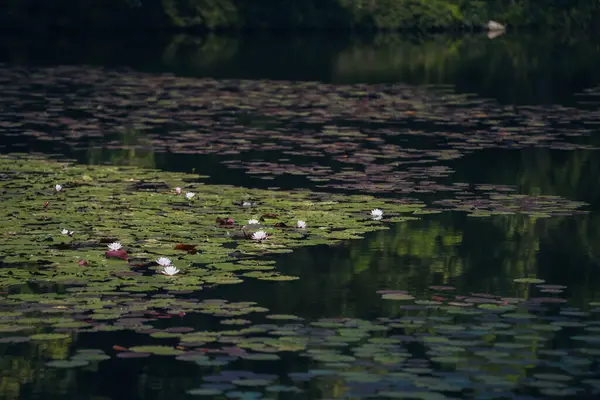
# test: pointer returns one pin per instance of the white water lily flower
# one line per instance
(178, 190)
(169, 271)
(377, 213)
(301, 224)
(65, 231)
(253, 222)
(259, 235)
(163, 261)
(114, 246)
(58, 188)
(189, 195)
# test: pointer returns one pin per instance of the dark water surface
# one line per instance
(105, 100)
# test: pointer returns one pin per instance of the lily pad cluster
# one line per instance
(496, 203)
(139, 216)
(448, 344)
(351, 137)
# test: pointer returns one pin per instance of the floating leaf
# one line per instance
(528, 280)
(67, 363)
(396, 296)
(50, 336)
(204, 392)
(156, 350)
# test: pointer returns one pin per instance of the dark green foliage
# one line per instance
(295, 14)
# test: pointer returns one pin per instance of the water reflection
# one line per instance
(514, 68)
(535, 171)
(479, 257)
(474, 255)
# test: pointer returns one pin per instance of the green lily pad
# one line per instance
(67, 363)
(50, 336)
(204, 392)
(529, 280)
(156, 350)
(396, 296)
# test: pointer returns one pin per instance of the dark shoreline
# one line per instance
(281, 31)
(244, 30)
(459, 29)
(295, 16)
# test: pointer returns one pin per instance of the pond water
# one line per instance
(482, 154)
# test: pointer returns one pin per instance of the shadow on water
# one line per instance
(474, 255)
(516, 69)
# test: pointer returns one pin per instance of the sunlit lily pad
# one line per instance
(528, 280)
(50, 336)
